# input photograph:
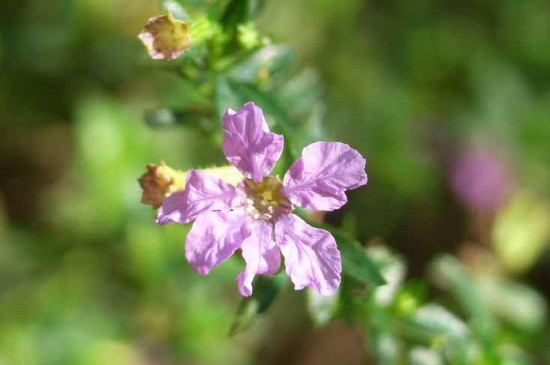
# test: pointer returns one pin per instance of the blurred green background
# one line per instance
(448, 100)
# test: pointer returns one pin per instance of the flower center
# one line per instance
(264, 200)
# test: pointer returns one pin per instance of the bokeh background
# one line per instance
(448, 100)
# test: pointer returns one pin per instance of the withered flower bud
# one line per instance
(165, 37)
(160, 181)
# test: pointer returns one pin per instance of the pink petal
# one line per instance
(248, 144)
(203, 193)
(311, 256)
(213, 238)
(318, 180)
(261, 254)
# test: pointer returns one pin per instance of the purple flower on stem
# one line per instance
(256, 216)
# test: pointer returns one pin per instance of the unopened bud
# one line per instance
(165, 37)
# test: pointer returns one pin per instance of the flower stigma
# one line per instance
(264, 200)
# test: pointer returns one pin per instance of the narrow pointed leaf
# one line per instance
(357, 263)
(449, 274)
(265, 291)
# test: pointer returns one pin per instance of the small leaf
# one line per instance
(433, 325)
(270, 59)
(226, 97)
(433, 322)
(513, 355)
(448, 273)
(387, 349)
(166, 117)
(355, 260)
(175, 8)
(420, 355)
(392, 269)
(239, 12)
(301, 92)
(349, 224)
(266, 289)
(160, 117)
(321, 308)
(515, 303)
(351, 300)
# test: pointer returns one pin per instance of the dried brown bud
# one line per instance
(160, 181)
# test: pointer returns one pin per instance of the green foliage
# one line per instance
(356, 262)
(239, 12)
(265, 291)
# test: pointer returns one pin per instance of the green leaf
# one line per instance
(351, 300)
(434, 325)
(301, 92)
(420, 355)
(226, 97)
(392, 269)
(349, 223)
(273, 59)
(387, 349)
(433, 322)
(514, 303)
(266, 289)
(355, 260)
(167, 117)
(448, 273)
(321, 308)
(513, 355)
(239, 12)
(175, 8)
(160, 117)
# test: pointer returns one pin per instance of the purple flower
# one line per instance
(481, 179)
(256, 216)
